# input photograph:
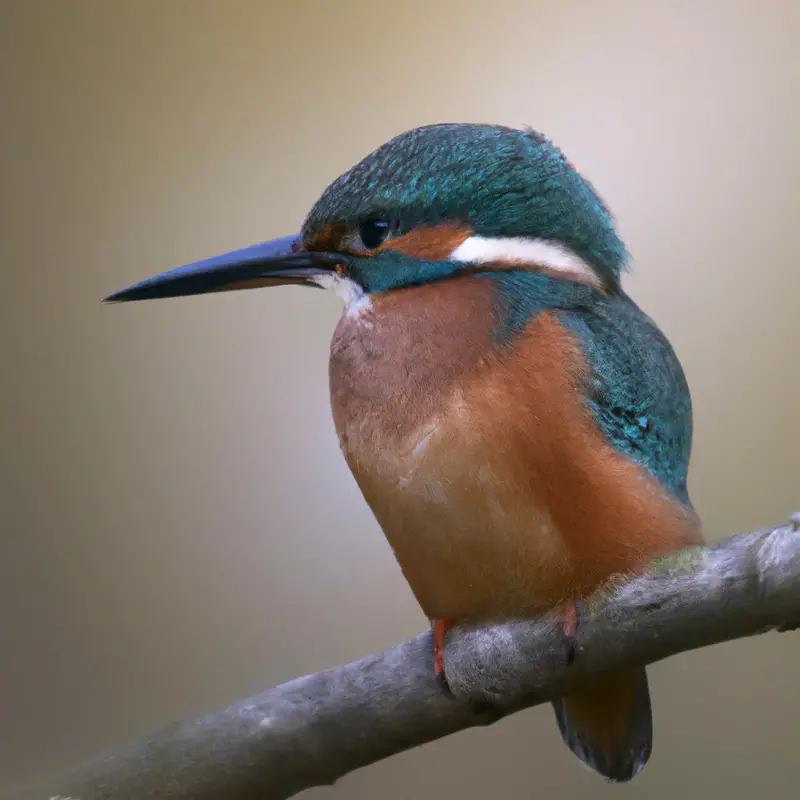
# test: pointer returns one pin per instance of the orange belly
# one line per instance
(471, 541)
(491, 481)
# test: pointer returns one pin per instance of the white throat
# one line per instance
(355, 299)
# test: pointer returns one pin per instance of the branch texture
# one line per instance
(316, 729)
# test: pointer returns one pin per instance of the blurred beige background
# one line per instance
(178, 527)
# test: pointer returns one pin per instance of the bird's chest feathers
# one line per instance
(429, 427)
(398, 372)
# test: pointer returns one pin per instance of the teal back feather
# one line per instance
(638, 391)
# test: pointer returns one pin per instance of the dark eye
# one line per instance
(374, 232)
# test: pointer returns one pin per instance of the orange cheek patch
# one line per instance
(429, 244)
(328, 238)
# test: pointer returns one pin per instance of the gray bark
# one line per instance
(316, 729)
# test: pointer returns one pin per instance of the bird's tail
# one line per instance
(608, 725)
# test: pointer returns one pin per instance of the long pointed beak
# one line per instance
(279, 261)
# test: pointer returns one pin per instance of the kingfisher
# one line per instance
(519, 427)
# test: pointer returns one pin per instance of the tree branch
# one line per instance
(316, 729)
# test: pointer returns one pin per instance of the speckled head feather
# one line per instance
(498, 181)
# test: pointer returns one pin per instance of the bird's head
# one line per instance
(433, 203)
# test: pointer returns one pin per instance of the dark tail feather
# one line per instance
(608, 725)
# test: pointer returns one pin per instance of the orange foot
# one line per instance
(440, 628)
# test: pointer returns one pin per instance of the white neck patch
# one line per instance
(354, 297)
(528, 251)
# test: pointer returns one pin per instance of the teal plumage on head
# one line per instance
(498, 181)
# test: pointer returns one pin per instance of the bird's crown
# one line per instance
(497, 182)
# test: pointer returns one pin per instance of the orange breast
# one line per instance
(489, 477)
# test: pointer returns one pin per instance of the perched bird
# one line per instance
(520, 429)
